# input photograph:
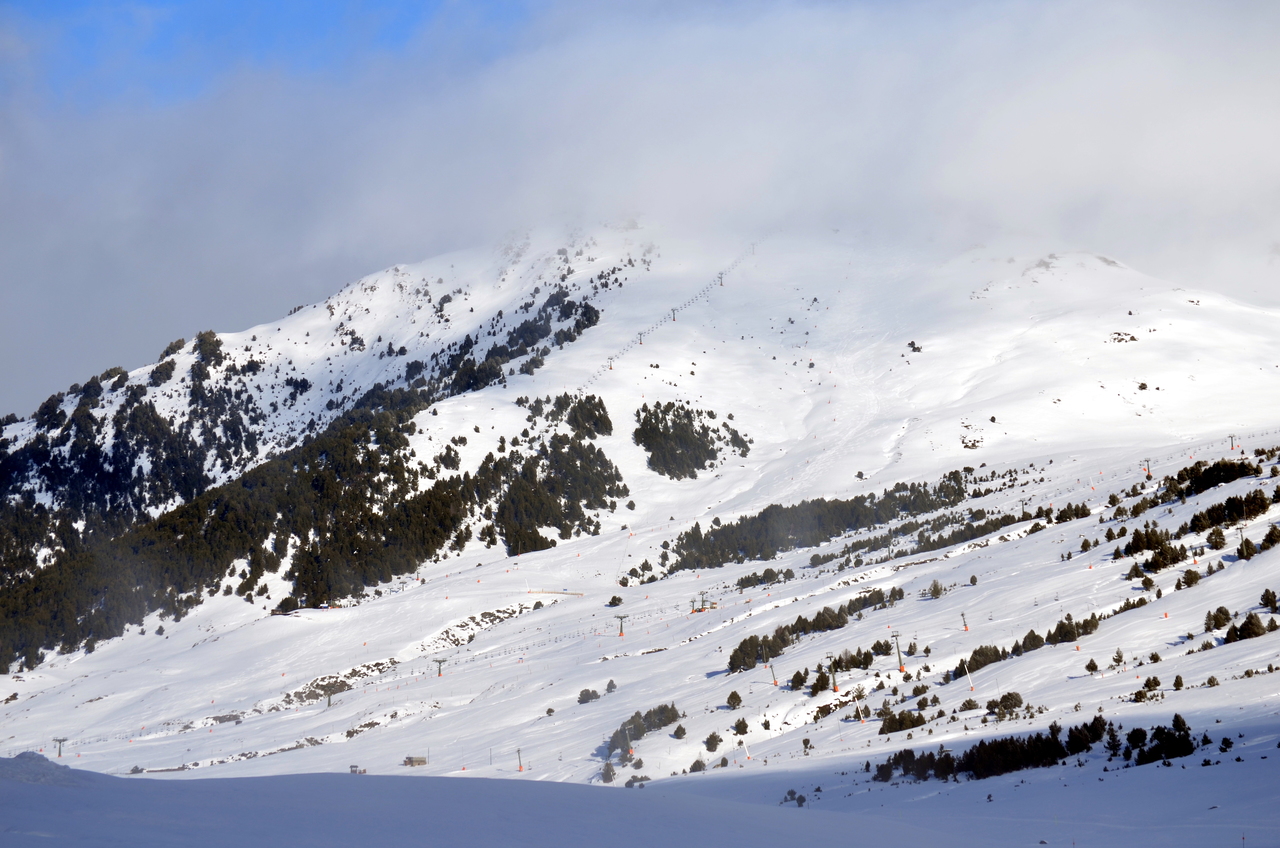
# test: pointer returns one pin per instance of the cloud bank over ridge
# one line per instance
(1145, 131)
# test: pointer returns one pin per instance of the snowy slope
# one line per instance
(271, 386)
(1055, 347)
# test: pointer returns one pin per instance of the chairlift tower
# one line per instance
(59, 740)
(902, 667)
(621, 620)
(835, 687)
(439, 667)
(965, 621)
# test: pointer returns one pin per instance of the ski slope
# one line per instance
(1066, 375)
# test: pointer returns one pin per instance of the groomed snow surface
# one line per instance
(1053, 348)
(1148, 806)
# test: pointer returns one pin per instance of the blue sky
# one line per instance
(89, 53)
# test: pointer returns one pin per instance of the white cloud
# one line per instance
(1145, 131)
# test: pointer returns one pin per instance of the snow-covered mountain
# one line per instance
(218, 405)
(600, 464)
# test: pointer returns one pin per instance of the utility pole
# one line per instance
(439, 667)
(621, 619)
(902, 667)
(59, 740)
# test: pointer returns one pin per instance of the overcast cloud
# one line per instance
(1147, 132)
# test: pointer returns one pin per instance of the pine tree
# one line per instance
(1113, 743)
(1252, 627)
(734, 700)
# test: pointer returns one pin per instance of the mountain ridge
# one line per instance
(843, 444)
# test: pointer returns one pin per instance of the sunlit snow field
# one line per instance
(1030, 363)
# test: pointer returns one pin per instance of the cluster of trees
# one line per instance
(1251, 628)
(993, 757)
(463, 373)
(891, 722)
(967, 532)
(1201, 477)
(1006, 704)
(1164, 743)
(634, 728)
(1230, 511)
(1068, 629)
(588, 418)
(769, 577)
(982, 656)
(1189, 481)
(778, 528)
(1070, 512)
(1160, 542)
(347, 492)
(346, 502)
(557, 484)
(1193, 480)
(679, 441)
(761, 649)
